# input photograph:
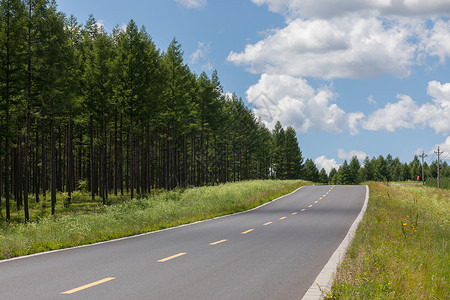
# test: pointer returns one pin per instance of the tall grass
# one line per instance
(166, 209)
(400, 250)
(444, 182)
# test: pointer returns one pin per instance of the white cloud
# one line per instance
(350, 38)
(326, 163)
(192, 3)
(407, 114)
(348, 47)
(436, 41)
(353, 121)
(349, 155)
(393, 116)
(293, 102)
(201, 52)
(333, 8)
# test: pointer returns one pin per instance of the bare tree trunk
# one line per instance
(131, 159)
(44, 159)
(91, 159)
(116, 156)
(27, 163)
(70, 161)
(53, 154)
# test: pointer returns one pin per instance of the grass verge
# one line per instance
(400, 249)
(165, 210)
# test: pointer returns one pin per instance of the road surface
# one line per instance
(273, 252)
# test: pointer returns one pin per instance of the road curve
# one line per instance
(273, 252)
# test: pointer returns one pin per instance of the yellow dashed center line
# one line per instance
(89, 285)
(282, 218)
(247, 231)
(268, 223)
(303, 209)
(310, 205)
(218, 242)
(172, 257)
(294, 213)
(316, 201)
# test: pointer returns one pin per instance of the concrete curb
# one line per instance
(324, 280)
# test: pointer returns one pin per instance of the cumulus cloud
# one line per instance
(333, 8)
(349, 47)
(393, 115)
(436, 41)
(349, 38)
(360, 155)
(405, 113)
(326, 163)
(291, 100)
(192, 3)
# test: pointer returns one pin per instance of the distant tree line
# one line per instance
(109, 113)
(376, 169)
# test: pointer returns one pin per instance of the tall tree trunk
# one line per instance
(44, 159)
(37, 171)
(70, 161)
(91, 158)
(131, 158)
(105, 165)
(185, 146)
(53, 154)
(116, 156)
(7, 154)
(121, 156)
(25, 171)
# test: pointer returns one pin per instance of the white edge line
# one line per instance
(324, 280)
(146, 233)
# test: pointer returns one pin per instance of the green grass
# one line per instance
(166, 209)
(444, 182)
(81, 203)
(400, 249)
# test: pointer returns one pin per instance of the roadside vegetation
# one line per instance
(165, 209)
(444, 182)
(400, 250)
(109, 113)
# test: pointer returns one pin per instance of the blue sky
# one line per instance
(353, 77)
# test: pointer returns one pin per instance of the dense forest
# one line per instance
(377, 169)
(110, 113)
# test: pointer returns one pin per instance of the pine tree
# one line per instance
(311, 173)
(343, 174)
(323, 177)
(354, 167)
(279, 149)
(294, 159)
(12, 43)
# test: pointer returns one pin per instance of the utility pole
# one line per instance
(438, 153)
(423, 177)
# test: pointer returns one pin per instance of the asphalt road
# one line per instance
(273, 252)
